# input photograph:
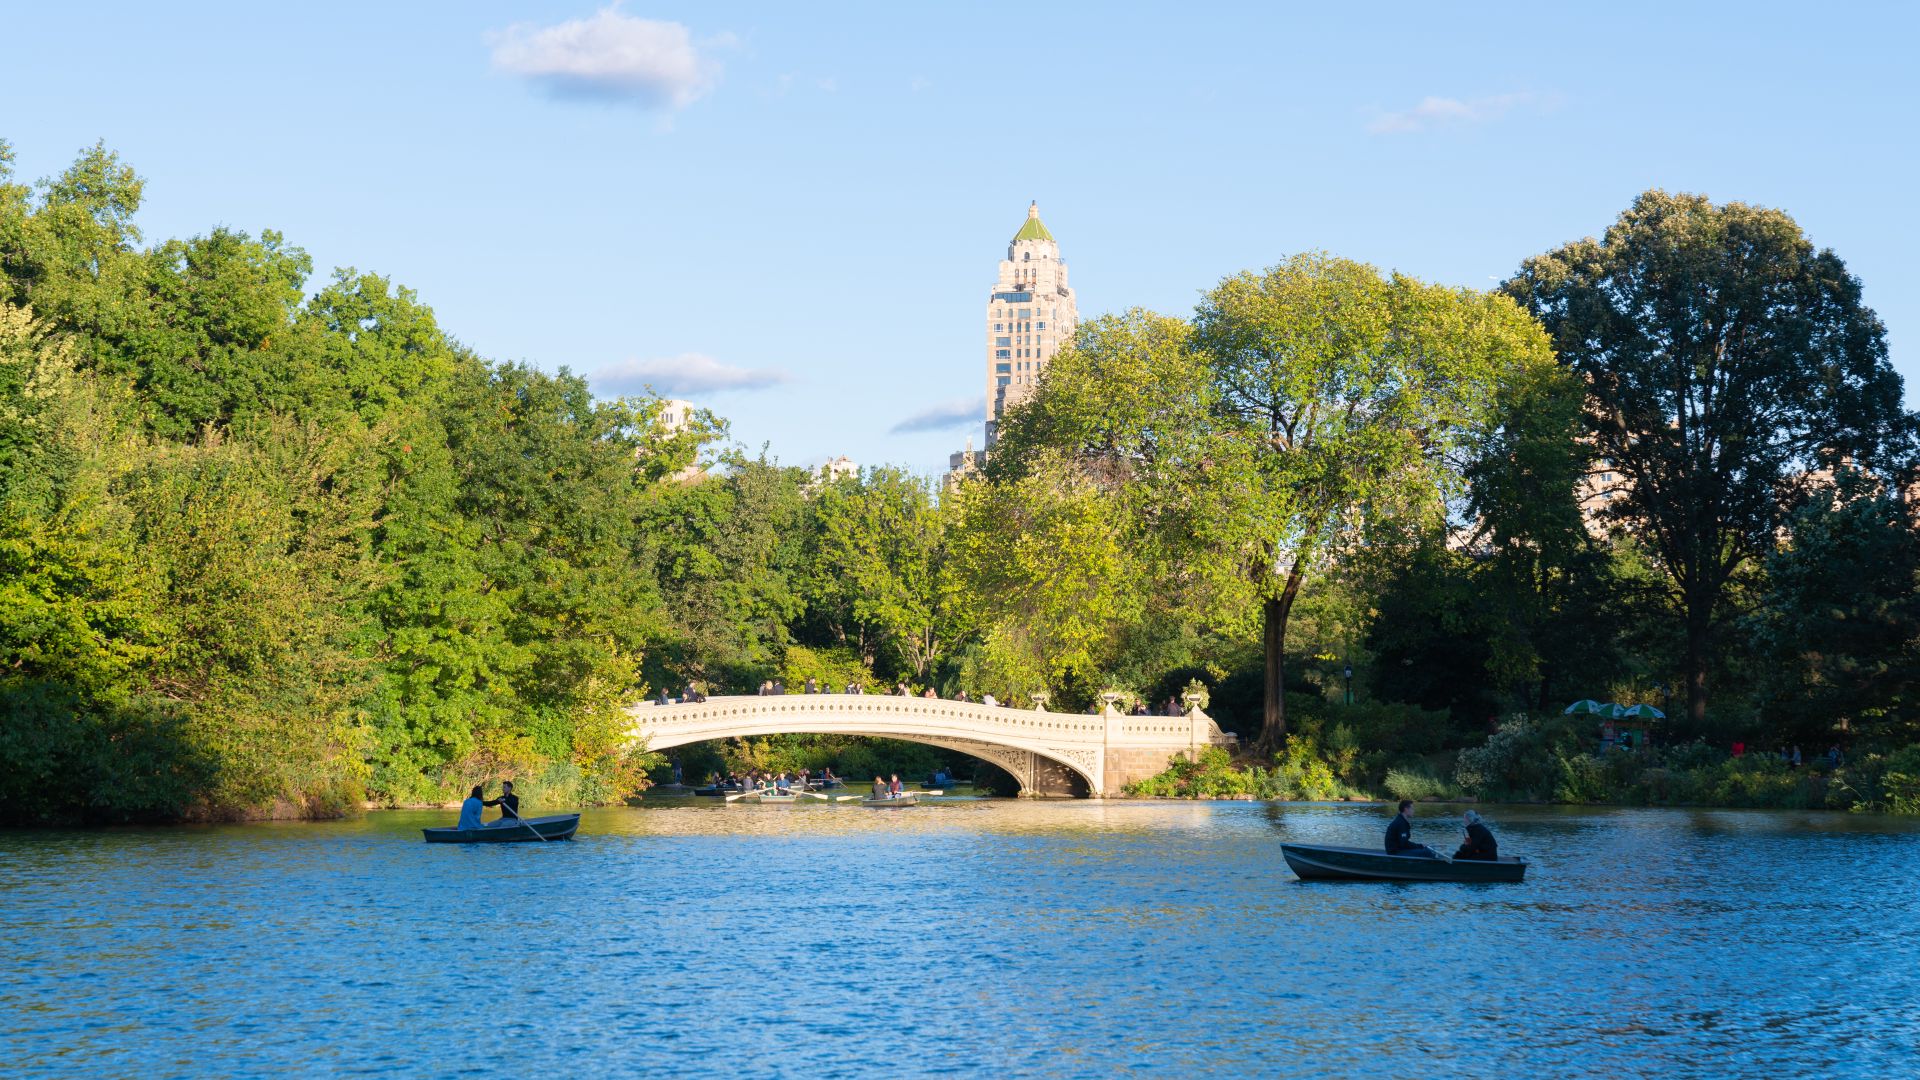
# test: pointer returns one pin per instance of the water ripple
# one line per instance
(1058, 939)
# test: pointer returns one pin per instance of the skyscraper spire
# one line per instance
(1031, 313)
(1032, 228)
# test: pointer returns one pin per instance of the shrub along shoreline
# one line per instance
(1529, 762)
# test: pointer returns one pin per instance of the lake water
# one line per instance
(989, 938)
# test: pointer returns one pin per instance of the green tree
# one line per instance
(449, 668)
(881, 545)
(555, 482)
(728, 553)
(1546, 583)
(1729, 367)
(257, 549)
(1340, 398)
(1837, 631)
(218, 340)
(72, 255)
(1041, 567)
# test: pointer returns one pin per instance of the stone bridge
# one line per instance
(1048, 753)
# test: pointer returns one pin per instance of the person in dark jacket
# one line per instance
(508, 802)
(1480, 843)
(1400, 834)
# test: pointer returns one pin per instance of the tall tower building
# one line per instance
(1030, 316)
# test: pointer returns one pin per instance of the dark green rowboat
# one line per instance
(1313, 862)
(556, 827)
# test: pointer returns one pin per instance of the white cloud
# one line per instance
(610, 57)
(688, 373)
(958, 413)
(1434, 112)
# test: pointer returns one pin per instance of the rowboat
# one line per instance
(556, 827)
(893, 803)
(1313, 862)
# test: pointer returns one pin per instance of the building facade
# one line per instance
(1031, 314)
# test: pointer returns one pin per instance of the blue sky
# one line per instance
(794, 211)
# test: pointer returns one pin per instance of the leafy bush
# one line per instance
(1758, 780)
(1418, 784)
(1212, 775)
(1510, 764)
(1299, 772)
(1406, 729)
(1880, 785)
(831, 668)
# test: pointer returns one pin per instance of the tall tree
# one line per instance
(1543, 579)
(881, 544)
(1042, 568)
(1730, 367)
(1341, 397)
(727, 551)
(72, 254)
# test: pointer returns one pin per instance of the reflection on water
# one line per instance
(1066, 939)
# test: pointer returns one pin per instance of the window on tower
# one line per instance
(1003, 341)
(1040, 326)
(1002, 354)
(1002, 369)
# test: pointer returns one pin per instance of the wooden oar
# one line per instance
(744, 794)
(543, 836)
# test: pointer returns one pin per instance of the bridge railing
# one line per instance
(1109, 727)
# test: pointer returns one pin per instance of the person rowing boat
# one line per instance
(508, 802)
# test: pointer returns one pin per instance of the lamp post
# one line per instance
(1349, 674)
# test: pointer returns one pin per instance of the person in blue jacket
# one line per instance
(470, 810)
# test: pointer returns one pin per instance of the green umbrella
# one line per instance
(1590, 706)
(1644, 712)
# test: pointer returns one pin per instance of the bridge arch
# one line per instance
(1038, 747)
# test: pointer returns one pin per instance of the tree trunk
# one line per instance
(1273, 724)
(1698, 628)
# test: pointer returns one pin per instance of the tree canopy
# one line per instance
(1730, 369)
